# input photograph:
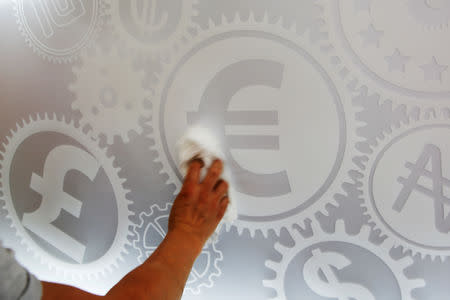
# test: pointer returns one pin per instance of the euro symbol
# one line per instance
(213, 110)
(57, 13)
(59, 161)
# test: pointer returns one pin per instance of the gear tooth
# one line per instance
(251, 18)
(279, 22)
(125, 138)
(281, 248)
(223, 20)
(75, 105)
(211, 23)
(271, 264)
(405, 262)
(276, 229)
(240, 230)
(333, 202)
(417, 283)
(30, 119)
(315, 227)
(269, 284)
(340, 226)
(168, 206)
(254, 232)
(365, 231)
(292, 27)
(228, 227)
(265, 19)
(125, 252)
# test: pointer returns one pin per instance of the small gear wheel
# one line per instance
(322, 259)
(153, 25)
(109, 93)
(62, 270)
(431, 13)
(150, 232)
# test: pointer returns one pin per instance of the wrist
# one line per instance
(186, 240)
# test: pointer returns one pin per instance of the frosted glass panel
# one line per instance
(333, 116)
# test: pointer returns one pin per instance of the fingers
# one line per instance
(213, 175)
(223, 207)
(221, 188)
(193, 173)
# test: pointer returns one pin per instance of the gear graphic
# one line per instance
(432, 13)
(154, 224)
(368, 43)
(107, 104)
(382, 124)
(149, 30)
(41, 45)
(249, 26)
(68, 271)
(397, 267)
(306, 15)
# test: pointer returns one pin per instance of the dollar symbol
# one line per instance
(332, 287)
(59, 161)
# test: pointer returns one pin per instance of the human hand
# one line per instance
(200, 206)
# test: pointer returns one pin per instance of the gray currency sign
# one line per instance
(50, 186)
(319, 276)
(213, 111)
(332, 270)
(150, 20)
(430, 153)
(63, 198)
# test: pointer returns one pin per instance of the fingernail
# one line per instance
(197, 159)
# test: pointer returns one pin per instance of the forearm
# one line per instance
(164, 274)
(54, 291)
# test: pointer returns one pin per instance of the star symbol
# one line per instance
(433, 70)
(397, 61)
(371, 36)
(362, 5)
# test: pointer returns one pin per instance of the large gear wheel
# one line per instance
(143, 31)
(276, 35)
(367, 41)
(415, 129)
(362, 240)
(44, 41)
(153, 224)
(410, 178)
(110, 94)
(432, 13)
(62, 271)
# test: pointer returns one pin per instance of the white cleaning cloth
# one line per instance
(198, 142)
